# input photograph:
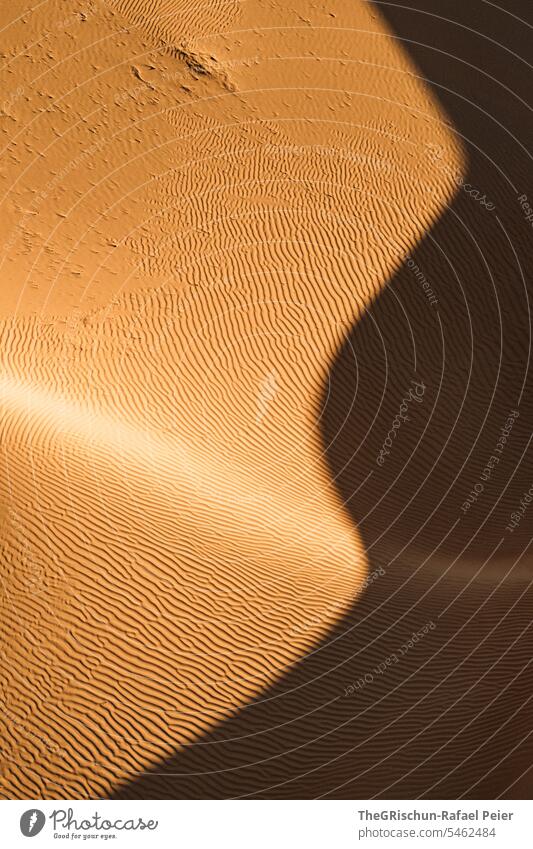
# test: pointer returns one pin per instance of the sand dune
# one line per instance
(219, 223)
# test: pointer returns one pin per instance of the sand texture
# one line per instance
(265, 399)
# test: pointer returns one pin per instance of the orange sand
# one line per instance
(199, 201)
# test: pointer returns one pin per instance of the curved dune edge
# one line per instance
(170, 532)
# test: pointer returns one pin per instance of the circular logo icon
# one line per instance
(32, 822)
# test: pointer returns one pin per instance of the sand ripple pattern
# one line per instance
(265, 322)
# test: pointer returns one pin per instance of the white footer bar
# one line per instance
(267, 824)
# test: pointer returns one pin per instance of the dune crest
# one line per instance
(198, 208)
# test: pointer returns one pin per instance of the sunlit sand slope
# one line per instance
(199, 201)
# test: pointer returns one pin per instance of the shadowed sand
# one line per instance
(453, 717)
(222, 577)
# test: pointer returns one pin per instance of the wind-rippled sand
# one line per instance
(208, 325)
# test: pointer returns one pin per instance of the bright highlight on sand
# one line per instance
(260, 329)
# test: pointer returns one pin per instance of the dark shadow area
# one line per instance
(453, 716)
